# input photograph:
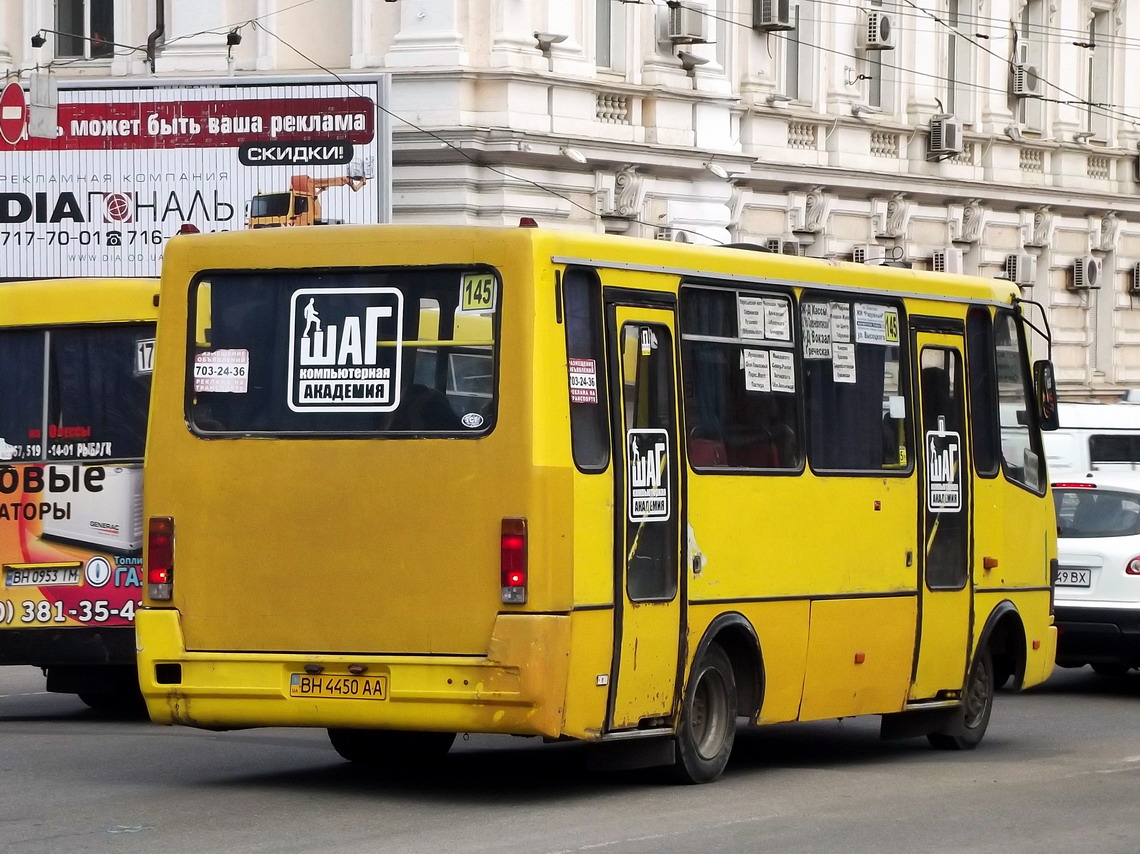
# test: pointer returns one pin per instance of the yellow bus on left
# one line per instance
(75, 374)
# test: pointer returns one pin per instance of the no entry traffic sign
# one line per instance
(13, 113)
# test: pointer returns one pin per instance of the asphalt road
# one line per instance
(1058, 771)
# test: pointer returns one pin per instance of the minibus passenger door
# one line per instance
(945, 516)
(648, 517)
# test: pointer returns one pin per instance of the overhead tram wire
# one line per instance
(1112, 110)
(1063, 35)
(218, 31)
(1105, 110)
(466, 155)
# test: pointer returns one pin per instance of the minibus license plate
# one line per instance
(32, 577)
(337, 687)
(1074, 577)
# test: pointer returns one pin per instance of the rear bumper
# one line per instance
(1097, 636)
(75, 646)
(519, 687)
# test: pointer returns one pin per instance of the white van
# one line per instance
(1094, 437)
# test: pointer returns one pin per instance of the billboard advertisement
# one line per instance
(133, 163)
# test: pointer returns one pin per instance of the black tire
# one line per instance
(1110, 669)
(126, 700)
(977, 703)
(378, 747)
(708, 719)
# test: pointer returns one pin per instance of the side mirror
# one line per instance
(1045, 389)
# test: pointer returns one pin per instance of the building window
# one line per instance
(959, 65)
(798, 54)
(1100, 75)
(86, 28)
(609, 34)
(880, 72)
(1031, 33)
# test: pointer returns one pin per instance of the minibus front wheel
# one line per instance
(973, 716)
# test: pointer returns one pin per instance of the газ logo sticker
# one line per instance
(345, 349)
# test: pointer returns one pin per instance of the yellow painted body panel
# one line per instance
(859, 657)
(518, 686)
(777, 548)
(648, 663)
(782, 629)
(386, 552)
(52, 302)
(1033, 607)
(587, 686)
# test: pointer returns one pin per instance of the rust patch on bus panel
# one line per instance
(536, 648)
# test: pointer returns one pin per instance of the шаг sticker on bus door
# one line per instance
(943, 469)
(648, 499)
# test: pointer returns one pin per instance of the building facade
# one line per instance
(998, 137)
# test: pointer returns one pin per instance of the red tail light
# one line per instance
(1133, 566)
(160, 558)
(512, 561)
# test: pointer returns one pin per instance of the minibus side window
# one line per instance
(858, 415)
(589, 403)
(22, 393)
(741, 402)
(98, 393)
(983, 391)
(1020, 442)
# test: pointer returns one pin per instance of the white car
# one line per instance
(1097, 587)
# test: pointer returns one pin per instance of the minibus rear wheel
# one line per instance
(379, 747)
(973, 716)
(708, 719)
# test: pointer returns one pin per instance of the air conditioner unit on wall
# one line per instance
(1086, 273)
(945, 138)
(1026, 82)
(876, 31)
(947, 260)
(1021, 269)
(772, 15)
(686, 25)
(783, 246)
(674, 235)
(1134, 280)
(868, 253)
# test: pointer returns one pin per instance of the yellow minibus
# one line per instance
(410, 481)
(75, 370)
